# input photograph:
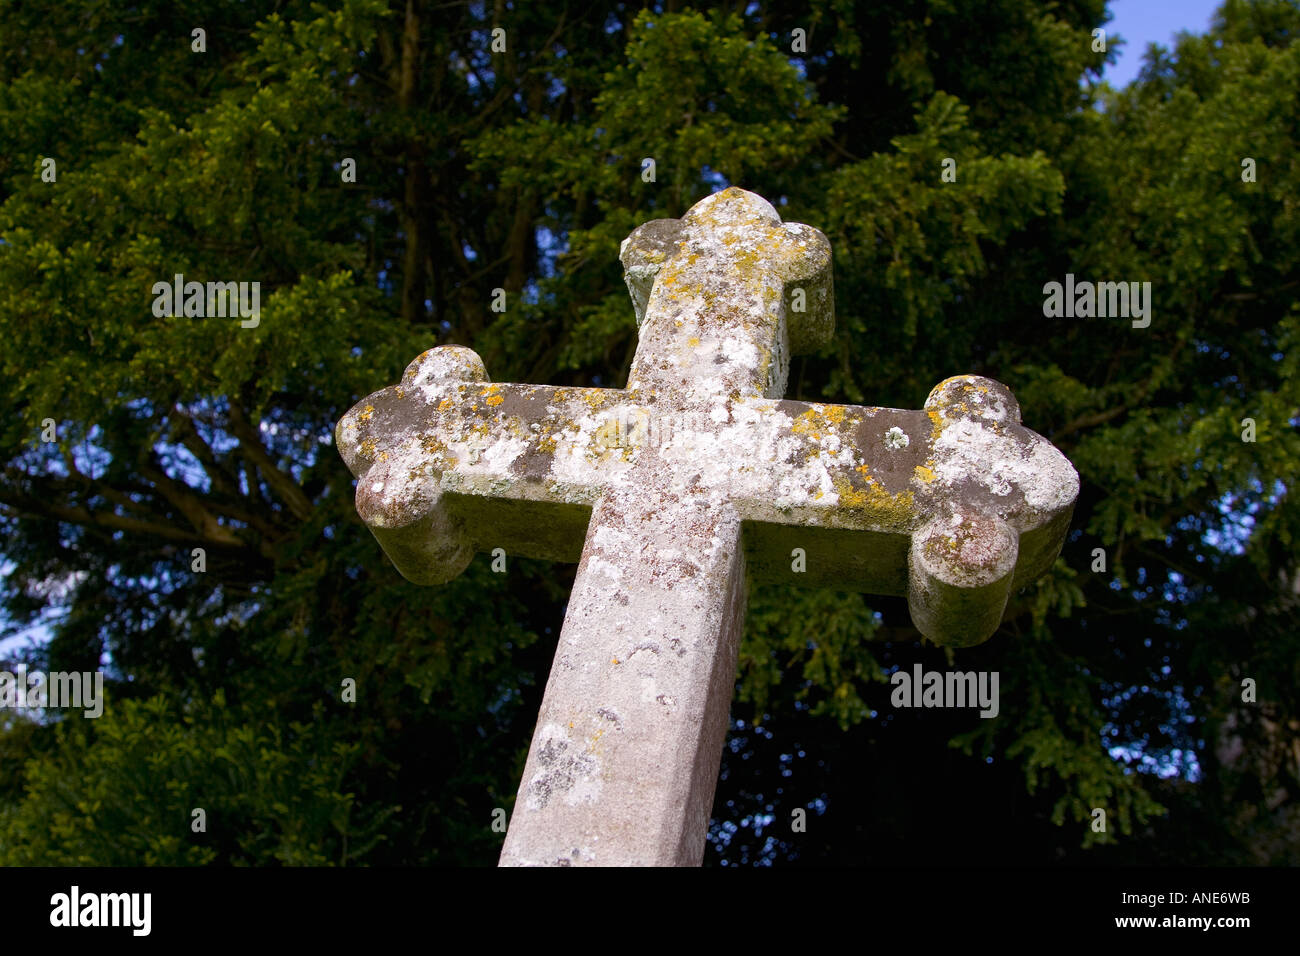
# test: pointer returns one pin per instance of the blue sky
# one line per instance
(1140, 22)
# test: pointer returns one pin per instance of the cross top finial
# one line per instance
(724, 295)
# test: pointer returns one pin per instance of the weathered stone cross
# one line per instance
(669, 491)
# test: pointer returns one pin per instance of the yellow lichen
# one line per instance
(806, 423)
(936, 423)
(433, 447)
(924, 473)
(819, 419)
(888, 509)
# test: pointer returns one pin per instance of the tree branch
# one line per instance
(283, 485)
(183, 498)
(32, 507)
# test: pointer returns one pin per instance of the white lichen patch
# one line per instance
(499, 455)
(969, 450)
(609, 569)
(740, 351)
(896, 438)
(590, 451)
(1056, 483)
(607, 538)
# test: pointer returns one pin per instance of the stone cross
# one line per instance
(671, 491)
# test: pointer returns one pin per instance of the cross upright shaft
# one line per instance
(634, 717)
(675, 487)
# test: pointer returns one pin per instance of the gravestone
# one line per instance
(671, 492)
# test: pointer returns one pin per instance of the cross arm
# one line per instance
(954, 505)
(449, 463)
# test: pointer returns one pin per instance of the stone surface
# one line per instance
(671, 491)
